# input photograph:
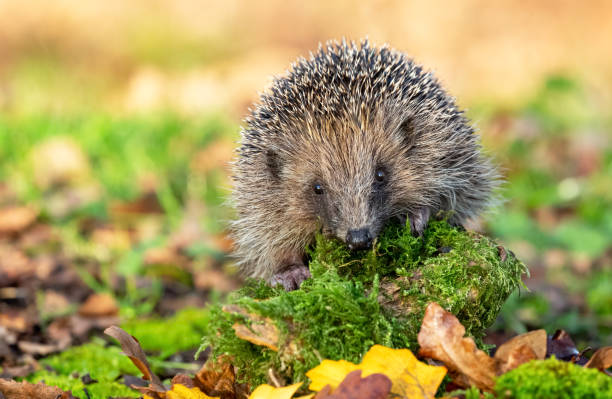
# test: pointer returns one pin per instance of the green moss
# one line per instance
(99, 390)
(355, 300)
(470, 393)
(181, 332)
(104, 364)
(552, 378)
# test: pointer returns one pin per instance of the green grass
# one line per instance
(120, 152)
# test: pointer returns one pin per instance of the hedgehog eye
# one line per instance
(380, 175)
(318, 189)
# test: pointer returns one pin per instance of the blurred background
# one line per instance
(117, 120)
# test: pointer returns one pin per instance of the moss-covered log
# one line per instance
(356, 300)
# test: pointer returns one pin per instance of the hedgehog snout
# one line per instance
(359, 239)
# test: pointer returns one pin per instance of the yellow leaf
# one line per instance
(266, 391)
(182, 392)
(329, 372)
(410, 378)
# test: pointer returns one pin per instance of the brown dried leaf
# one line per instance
(15, 321)
(520, 349)
(81, 327)
(131, 348)
(16, 219)
(353, 386)
(261, 330)
(519, 355)
(441, 338)
(183, 379)
(219, 379)
(148, 203)
(562, 347)
(35, 348)
(601, 360)
(24, 390)
(98, 305)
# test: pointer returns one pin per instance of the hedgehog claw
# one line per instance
(418, 221)
(291, 278)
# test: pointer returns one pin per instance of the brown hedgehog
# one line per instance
(347, 140)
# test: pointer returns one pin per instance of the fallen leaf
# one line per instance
(146, 204)
(131, 348)
(219, 379)
(601, 359)
(260, 331)
(35, 348)
(14, 321)
(22, 370)
(81, 327)
(330, 372)
(266, 391)
(180, 391)
(24, 390)
(374, 386)
(97, 305)
(441, 338)
(562, 347)
(409, 377)
(519, 355)
(520, 349)
(16, 219)
(15, 268)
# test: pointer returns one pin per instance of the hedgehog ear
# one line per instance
(408, 133)
(273, 162)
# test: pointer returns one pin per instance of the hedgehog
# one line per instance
(347, 140)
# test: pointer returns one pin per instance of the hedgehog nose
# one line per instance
(359, 239)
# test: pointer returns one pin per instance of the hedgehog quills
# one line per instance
(355, 300)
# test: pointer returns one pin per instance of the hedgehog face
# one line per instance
(348, 182)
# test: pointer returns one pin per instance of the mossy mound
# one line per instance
(552, 378)
(356, 300)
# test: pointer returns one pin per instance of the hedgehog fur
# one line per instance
(346, 140)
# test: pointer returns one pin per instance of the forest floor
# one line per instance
(121, 220)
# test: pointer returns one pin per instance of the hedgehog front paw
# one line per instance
(291, 278)
(418, 221)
